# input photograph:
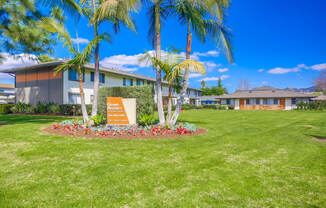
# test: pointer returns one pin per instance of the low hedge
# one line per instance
(144, 98)
(73, 109)
(5, 108)
(314, 105)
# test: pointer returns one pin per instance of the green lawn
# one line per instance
(246, 159)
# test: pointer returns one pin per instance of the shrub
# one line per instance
(40, 107)
(314, 105)
(5, 108)
(31, 109)
(54, 109)
(146, 120)
(21, 107)
(144, 98)
(230, 107)
(98, 119)
(73, 109)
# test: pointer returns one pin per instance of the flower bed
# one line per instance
(76, 128)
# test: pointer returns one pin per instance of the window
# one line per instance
(101, 77)
(128, 82)
(74, 98)
(265, 101)
(275, 101)
(74, 75)
(247, 101)
(188, 92)
(228, 102)
(140, 82)
(293, 101)
(257, 101)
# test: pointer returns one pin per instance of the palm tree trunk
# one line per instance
(169, 104)
(158, 69)
(97, 67)
(185, 79)
(82, 97)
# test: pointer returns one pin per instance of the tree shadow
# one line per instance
(318, 137)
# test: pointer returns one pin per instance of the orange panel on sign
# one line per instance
(115, 110)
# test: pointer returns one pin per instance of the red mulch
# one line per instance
(80, 133)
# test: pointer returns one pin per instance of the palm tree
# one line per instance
(157, 11)
(173, 68)
(193, 14)
(116, 12)
(79, 59)
(113, 11)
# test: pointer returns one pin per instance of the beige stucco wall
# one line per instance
(130, 108)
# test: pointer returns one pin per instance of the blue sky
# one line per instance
(280, 43)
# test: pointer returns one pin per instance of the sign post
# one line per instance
(115, 110)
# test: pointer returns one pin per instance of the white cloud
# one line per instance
(264, 82)
(280, 70)
(318, 67)
(207, 54)
(299, 67)
(214, 78)
(18, 60)
(124, 62)
(223, 70)
(194, 75)
(80, 40)
(260, 70)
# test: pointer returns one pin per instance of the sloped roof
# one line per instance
(266, 92)
(88, 66)
(320, 98)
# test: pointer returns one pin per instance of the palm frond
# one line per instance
(53, 26)
(221, 35)
(67, 5)
(192, 65)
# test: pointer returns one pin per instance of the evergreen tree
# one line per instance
(19, 30)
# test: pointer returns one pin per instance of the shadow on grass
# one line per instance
(19, 119)
(319, 138)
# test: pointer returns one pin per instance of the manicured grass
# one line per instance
(246, 159)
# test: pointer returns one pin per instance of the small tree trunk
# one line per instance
(185, 80)
(97, 68)
(169, 105)
(158, 69)
(82, 97)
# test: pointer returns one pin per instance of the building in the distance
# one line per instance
(7, 93)
(38, 83)
(264, 98)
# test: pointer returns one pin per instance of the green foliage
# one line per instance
(314, 105)
(73, 109)
(144, 98)
(19, 30)
(53, 109)
(146, 120)
(99, 119)
(31, 109)
(230, 107)
(5, 108)
(21, 107)
(214, 90)
(41, 107)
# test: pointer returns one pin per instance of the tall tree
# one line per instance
(79, 59)
(320, 82)
(194, 14)
(203, 84)
(158, 11)
(112, 11)
(19, 31)
(173, 67)
(98, 11)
